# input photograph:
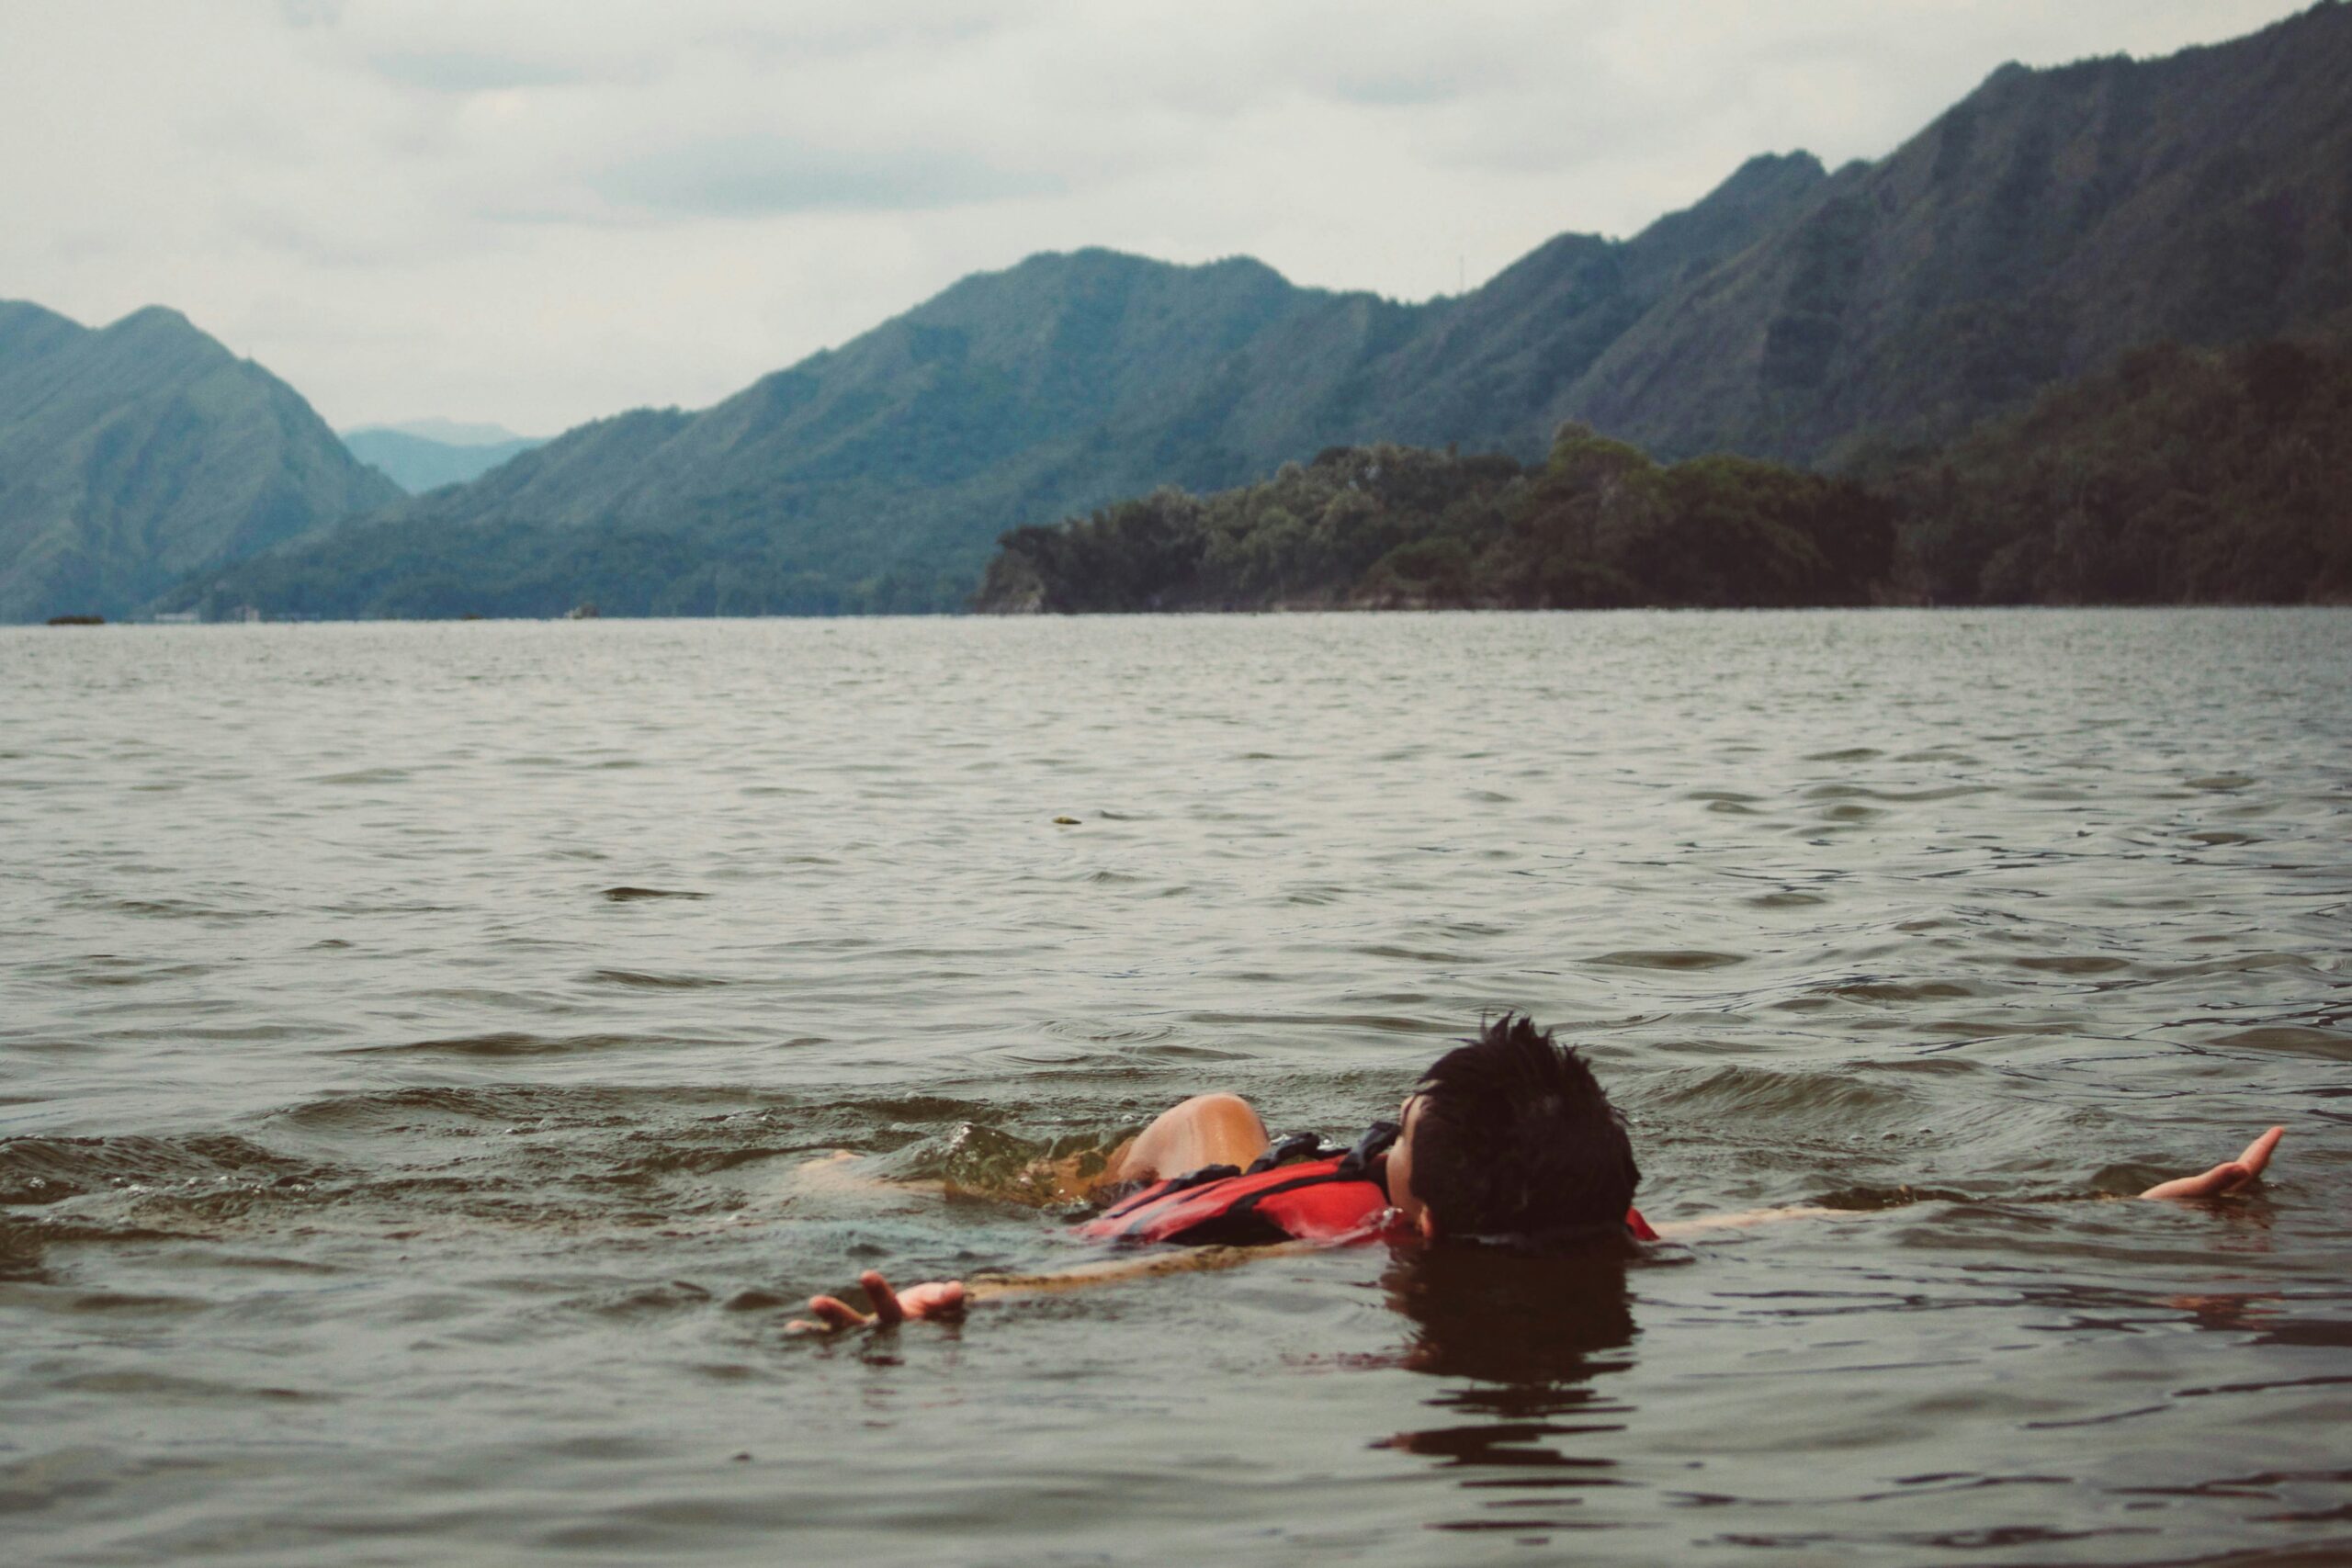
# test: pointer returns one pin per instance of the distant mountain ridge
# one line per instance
(134, 454)
(448, 432)
(2046, 223)
(418, 462)
(877, 476)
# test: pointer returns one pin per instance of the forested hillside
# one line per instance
(2036, 230)
(877, 477)
(2181, 475)
(135, 454)
(1597, 524)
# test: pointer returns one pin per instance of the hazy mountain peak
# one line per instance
(418, 462)
(154, 318)
(15, 312)
(30, 331)
(1766, 171)
(448, 431)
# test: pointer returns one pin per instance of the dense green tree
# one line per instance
(1597, 524)
(2179, 475)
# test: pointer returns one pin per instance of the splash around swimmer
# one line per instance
(1508, 1139)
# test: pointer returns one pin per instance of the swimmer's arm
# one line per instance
(946, 1299)
(2228, 1179)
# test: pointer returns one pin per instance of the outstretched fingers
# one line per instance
(937, 1299)
(2257, 1153)
(886, 1310)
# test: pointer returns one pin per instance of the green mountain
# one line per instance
(2034, 231)
(877, 477)
(133, 455)
(2048, 221)
(419, 463)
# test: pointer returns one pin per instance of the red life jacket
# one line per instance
(1324, 1200)
(1335, 1199)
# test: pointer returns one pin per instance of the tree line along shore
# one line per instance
(2177, 476)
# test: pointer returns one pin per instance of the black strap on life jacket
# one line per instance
(1297, 1147)
(1377, 1141)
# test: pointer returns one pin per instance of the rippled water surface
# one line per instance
(413, 1038)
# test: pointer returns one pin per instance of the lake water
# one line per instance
(385, 1179)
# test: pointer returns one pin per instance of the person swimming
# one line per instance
(1507, 1139)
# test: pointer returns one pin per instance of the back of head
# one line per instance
(1515, 1138)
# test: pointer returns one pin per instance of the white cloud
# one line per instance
(536, 213)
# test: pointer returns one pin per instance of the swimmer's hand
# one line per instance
(937, 1299)
(2227, 1179)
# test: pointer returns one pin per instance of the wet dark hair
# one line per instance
(1515, 1140)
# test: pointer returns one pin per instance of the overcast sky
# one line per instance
(537, 214)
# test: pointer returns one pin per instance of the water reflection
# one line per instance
(1520, 1339)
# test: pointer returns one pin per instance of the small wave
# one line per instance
(1761, 1091)
(922, 1109)
(701, 1160)
(181, 910)
(511, 1043)
(2292, 1040)
(1886, 991)
(405, 1109)
(103, 971)
(42, 1170)
(646, 1299)
(1096, 1032)
(639, 978)
(1668, 958)
(631, 894)
(25, 1240)
(1413, 955)
(2063, 964)
(1865, 792)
